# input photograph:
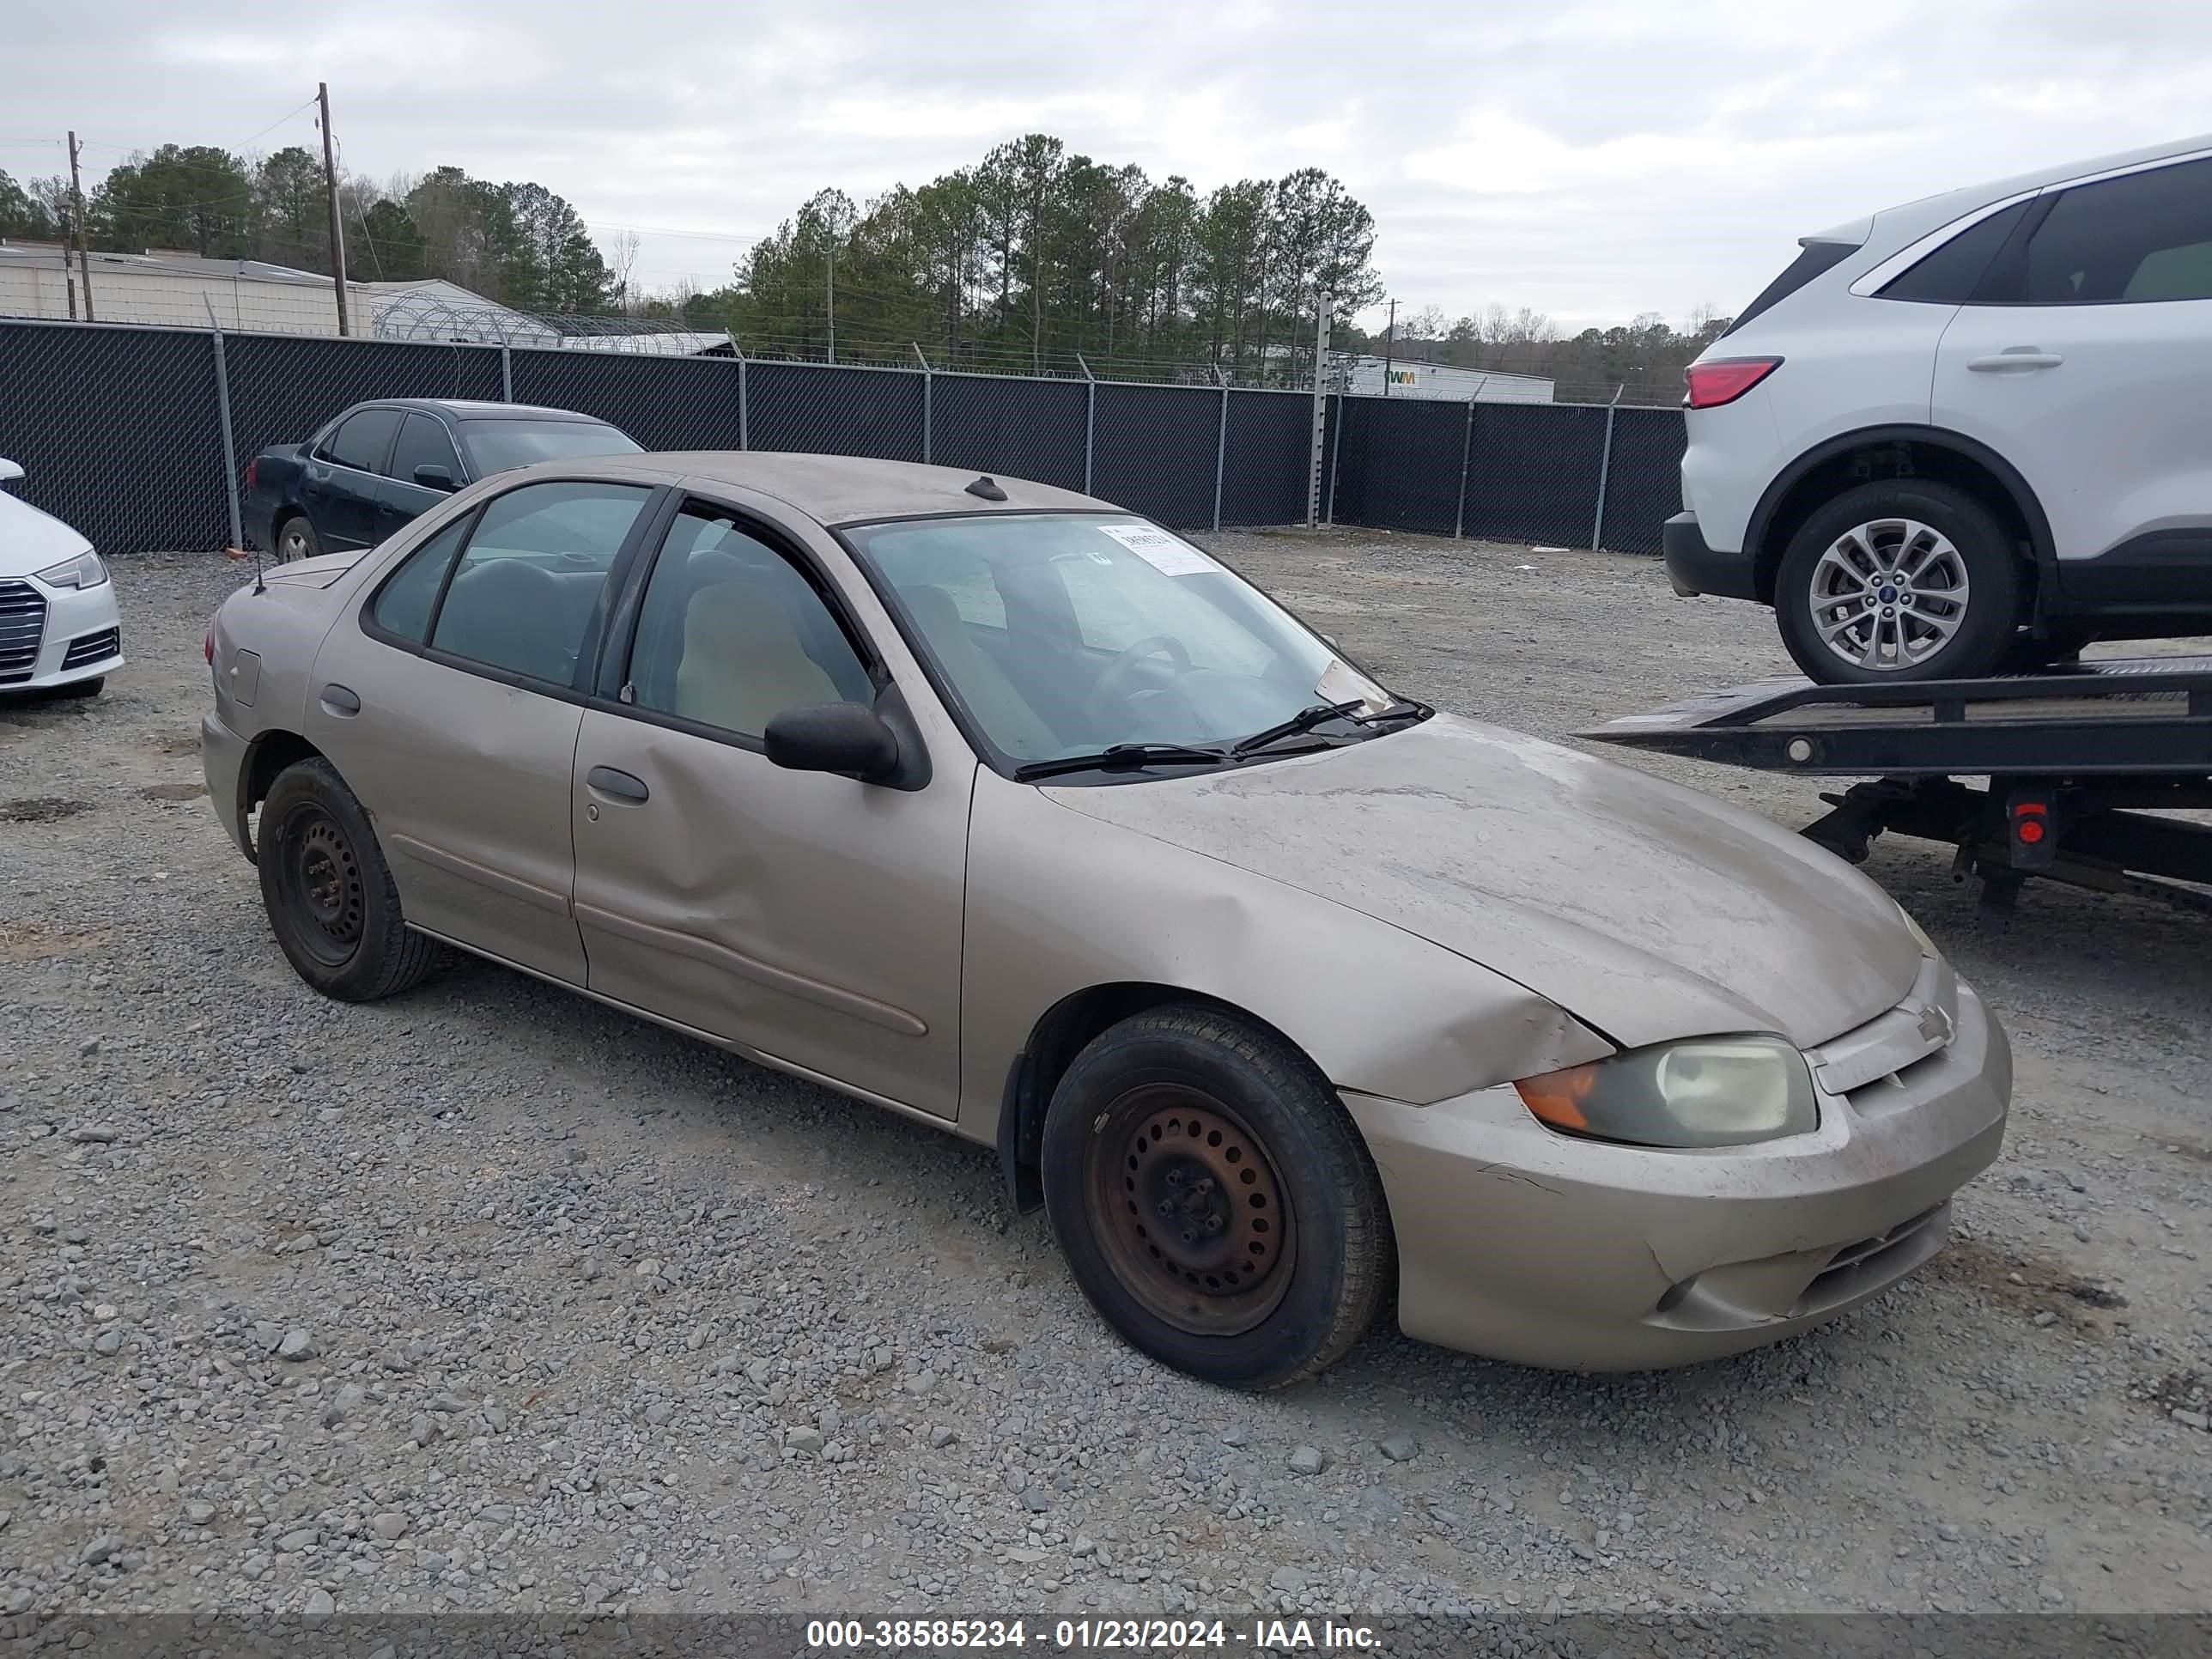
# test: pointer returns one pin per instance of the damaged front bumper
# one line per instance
(1519, 1243)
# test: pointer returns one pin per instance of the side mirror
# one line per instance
(9, 471)
(847, 738)
(436, 478)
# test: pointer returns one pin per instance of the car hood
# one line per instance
(1647, 910)
(31, 540)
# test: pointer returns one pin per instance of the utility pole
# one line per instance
(77, 212)
(338, 228)
(1390, 346)
(832, 287)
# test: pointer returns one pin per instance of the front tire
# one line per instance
(1898, 580)
(1215, 1202)
(331, 898)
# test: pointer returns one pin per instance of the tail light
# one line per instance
(250, 466)
(1725, 379)
(2034, 828)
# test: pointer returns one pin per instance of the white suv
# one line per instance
(1970, 433)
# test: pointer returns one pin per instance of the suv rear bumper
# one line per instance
(1694, 567)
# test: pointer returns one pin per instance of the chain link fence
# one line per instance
(1398, 463)
(1037, 429)
(119, 432)
(139, 435)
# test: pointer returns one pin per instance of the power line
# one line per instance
(273, 125)
(360, 214)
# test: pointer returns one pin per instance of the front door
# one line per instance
(809, 918)
(424, 449)
(2084, 359)
(448, 702)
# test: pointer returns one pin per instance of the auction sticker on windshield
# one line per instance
(1168, 555)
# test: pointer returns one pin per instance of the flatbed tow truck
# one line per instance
(2082, 763)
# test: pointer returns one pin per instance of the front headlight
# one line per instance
(1919, 934)
(83, 571)
(1707, 1091)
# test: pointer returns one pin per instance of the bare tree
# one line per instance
(622, 260)
(1428, 323)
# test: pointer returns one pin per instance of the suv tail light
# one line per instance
(1725, 379)
(249, 467)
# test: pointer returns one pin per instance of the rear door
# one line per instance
(2085, 359)
(342, 483)
(424, 449)
(449, 701)
(812, 919)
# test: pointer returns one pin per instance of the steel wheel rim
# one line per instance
(292, 544)
(323, 882)
(1888, 594)
(1194, 1218)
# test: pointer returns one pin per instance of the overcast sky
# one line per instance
(1592, 160)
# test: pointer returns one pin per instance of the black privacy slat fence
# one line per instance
(1532, 470)
(139, 436)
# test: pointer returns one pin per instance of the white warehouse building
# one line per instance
(178, 290)
(1372, 376)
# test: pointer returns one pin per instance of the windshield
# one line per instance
(1062, 635)
(499, 446)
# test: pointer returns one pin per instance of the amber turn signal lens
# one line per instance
(1556, 1097)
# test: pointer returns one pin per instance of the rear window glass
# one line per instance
(361, 441)
(403, 605)
(2137, 238)
(1809, 264)
(497, 446)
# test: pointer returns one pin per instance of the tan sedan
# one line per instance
(1000, 807)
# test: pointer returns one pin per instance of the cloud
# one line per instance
(1592, 158)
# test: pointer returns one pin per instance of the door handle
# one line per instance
(339, 699)
(2014, 357)
(620, 785)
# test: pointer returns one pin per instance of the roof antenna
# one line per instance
(988, 487)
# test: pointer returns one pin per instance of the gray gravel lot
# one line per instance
(491, 1298)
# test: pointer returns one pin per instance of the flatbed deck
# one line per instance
(2136, 716)
(2085, 766)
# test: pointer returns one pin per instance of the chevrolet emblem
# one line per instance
(1937, 1026)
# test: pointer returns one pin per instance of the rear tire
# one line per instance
(1898, 580)
(296, 539)
(331, 898)
(1214, 1201)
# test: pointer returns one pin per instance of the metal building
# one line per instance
(1407, 379)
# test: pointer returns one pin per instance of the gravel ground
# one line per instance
(491, 1298)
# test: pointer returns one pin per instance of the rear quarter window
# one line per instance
(1951, 274)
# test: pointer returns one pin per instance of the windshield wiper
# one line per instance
(1118, 756)
(1304, 720)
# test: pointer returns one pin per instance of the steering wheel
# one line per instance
(1111, 686)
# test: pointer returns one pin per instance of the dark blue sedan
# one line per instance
(379, 465)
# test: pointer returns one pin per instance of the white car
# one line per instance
(59, 629)
(1969, 433)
